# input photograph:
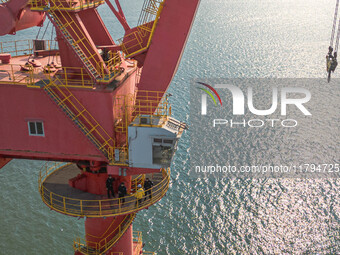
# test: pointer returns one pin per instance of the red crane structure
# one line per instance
(93, 107)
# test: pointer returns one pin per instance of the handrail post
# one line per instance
(100, 207)
(51, 199)
(64, 204)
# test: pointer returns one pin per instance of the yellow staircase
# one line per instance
(139, 40)
(77, 112)
(103, 245)
(68, 23)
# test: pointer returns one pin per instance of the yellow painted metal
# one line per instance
(138, 242)
(151, 12)
(98, 208)
(103, 245)
(150, 104)
(86, 122)
(70, 77)
(102, 71)
(68, 5)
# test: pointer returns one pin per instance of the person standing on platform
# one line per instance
(122, 192)
(109, 186)
(139, 194)
(147, 187)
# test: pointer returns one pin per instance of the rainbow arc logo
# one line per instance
(204, 96)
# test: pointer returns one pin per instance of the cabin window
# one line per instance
(161, 155)
(36, 128)
(167, 141)
(157, 140)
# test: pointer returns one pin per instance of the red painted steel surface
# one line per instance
(96, 28)
(79, 30)
(97, 229)
(15, 16)
(63, 141)
(168, 44)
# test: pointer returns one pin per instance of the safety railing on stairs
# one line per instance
(148, 14)
(101, 71)
(103, 245)
(104, 207)
(77, 112)
(74, 35)
(138, 242)
(79, 42)
(147, 23)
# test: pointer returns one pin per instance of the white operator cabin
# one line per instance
(153, 141)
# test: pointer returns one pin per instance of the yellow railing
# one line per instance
(66, 5)
(105, 71)
(21, 47)
(85, 121)
(138, 241)
(100, 247)
(99, 208)
(137, 236)
(112, 65)
(148, 14)
(11, 74)
(71, 77)
(146, 26)
(149, 104)
(78, 37)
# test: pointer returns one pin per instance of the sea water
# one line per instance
(229, 39)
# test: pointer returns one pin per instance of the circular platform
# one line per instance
(57, 194)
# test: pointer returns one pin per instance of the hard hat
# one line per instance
(139, 186)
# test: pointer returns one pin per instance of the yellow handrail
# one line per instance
(72, 5)
(70, 77)
(85, 120)
(142, 29)
(99, 208)
(105, 71)
(100, 247)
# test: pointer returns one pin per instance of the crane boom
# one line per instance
(16, 15)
